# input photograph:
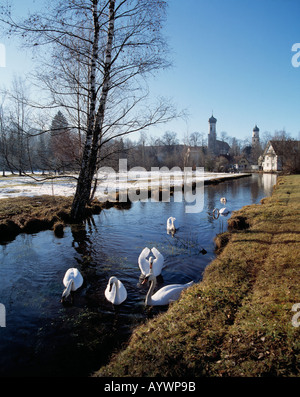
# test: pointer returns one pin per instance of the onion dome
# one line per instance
(212, 119)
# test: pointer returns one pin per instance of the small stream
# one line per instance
(42, 337)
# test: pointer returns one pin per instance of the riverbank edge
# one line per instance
(34, 214)
(239, 320)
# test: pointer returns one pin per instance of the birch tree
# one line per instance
(102, 51)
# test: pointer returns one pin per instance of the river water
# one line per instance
(42, 337)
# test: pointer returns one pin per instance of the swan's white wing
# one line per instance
(143, 262)
(158, 262)
(122, 292)
(169, 223)
(73, 274)
(78, 280)
(168, 294)
(224, 211)
(116, 294)
(66, 279)
(68, 276)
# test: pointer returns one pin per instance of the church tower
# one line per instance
(212, 134)
(255, 136)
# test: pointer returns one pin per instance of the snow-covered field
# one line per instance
(13, 185)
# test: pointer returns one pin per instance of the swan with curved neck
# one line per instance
(153, 264)
(115, 291)
(165, 295)
(72, 281)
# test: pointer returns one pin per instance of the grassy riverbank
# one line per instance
(238, 320)
(34, 214)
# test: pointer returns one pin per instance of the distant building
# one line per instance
(212, 134)
(281, 156)
(255, 137)
(243, 164)
(215, 146)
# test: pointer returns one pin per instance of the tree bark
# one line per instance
(96, 118)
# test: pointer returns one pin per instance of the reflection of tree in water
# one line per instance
(81, 241)
(84, 247)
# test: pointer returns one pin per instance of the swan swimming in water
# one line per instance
(224, 211)
(115, 291)
(151, 265)
(165, 295)
(72, 281)
(223, 200)
(170, 225)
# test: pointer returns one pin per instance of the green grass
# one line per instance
(237, 321)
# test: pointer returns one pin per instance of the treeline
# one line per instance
(24, 149)
(58, 149)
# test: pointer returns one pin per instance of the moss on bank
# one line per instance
(238, 320)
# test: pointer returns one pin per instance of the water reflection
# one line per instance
(42, 337)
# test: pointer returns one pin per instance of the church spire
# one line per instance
(212, 134)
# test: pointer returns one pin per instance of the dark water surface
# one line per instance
(42, 337)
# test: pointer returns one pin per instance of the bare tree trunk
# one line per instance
(95, 122)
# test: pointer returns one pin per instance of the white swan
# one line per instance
(224, 211)
(72, 281)
(115, 291)
(223, 200)
(170, 225)
(165, 295)
(155, 265)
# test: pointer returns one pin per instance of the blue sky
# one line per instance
(229, 56)
(234, 57)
